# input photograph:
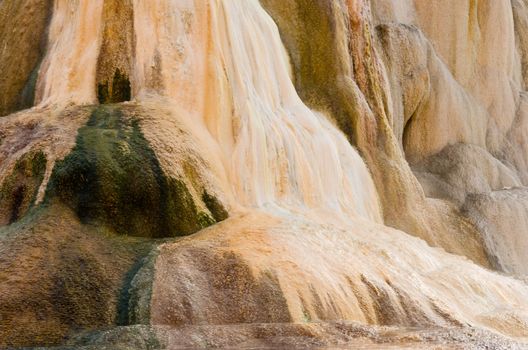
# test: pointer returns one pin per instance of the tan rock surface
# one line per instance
(467, 134)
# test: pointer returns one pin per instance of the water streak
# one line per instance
(233, 72)
(67, 74)
(284, 155)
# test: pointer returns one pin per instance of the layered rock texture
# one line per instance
(263, 173)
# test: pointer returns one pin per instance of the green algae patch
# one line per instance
(113, 177)
(215, 207)
(19, 190)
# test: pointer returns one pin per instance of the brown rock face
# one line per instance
(22, 41)
(58, 276)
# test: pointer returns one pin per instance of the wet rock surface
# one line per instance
(339, 335)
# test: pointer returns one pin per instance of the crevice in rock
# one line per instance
(19, 189)
(114, 91)
(114, 63)
(18, 199)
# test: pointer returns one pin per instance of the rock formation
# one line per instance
(263, 173)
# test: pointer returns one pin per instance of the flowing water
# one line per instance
(284, 155)
(67, 74)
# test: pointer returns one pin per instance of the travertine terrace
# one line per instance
(264, 174)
